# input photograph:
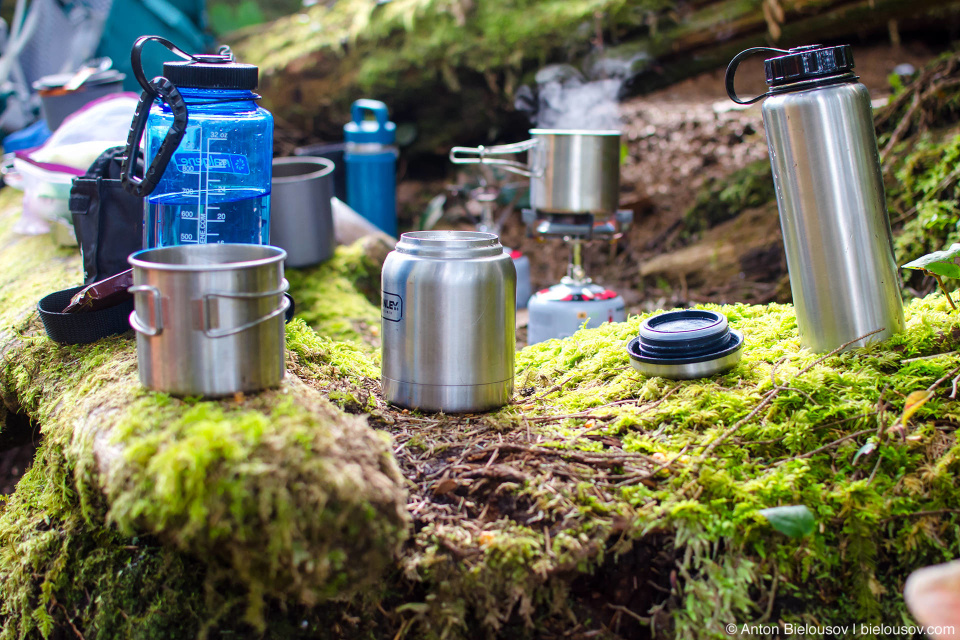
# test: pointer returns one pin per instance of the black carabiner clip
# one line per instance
(165, 90)
(732, 71)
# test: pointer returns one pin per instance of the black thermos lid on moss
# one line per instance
(211, 72)
(808, 63)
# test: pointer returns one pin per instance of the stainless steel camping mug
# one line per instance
(301, 219)
(826, 169)
(448, 322)
(570, 170)
(209, 318)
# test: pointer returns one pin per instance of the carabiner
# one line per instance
(165, 90)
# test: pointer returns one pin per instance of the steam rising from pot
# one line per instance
(565, 98)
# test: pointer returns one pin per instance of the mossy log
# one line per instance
(450, 68)
(282, 491)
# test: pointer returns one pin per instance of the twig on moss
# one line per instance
(940, 381)
(942, 288)
(586, 457)
(825, 447)
(770, 395)
(70, 622)
(873, 474)
(902, 127)
(635, 616)
(930, 357)
(816, 428)
(583, 415)
(773, 593)
(920, 514)
(645, 476)
(881, 430)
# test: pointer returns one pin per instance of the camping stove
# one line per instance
(486, 197)
(561, 310)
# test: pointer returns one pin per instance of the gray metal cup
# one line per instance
(301, 218)
(448, 322)
(209, 318)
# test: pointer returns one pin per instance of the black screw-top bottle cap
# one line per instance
(212, 72)
(808, 63)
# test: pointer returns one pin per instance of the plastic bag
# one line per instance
(46, 172)
(84, 135)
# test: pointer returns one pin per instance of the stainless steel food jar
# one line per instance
(570, 170)
(301, 217)
(209, 318)
(448, 322)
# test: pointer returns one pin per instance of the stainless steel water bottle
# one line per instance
(826, 169)
(448, 322)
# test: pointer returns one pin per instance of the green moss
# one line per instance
(721, 199)
(51, 558)
(340, 298)
(924, 196)
(431, 32)
(863, 550)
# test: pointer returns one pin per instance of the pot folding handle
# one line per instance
(483, 154)
(210, 332)
(135, 321)
(732, 72)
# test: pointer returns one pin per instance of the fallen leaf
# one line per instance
(445, 486)
(914, 401)
(795, 521)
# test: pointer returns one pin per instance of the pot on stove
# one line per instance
(570, 170)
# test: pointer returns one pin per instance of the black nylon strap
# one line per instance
(87, 327)
(81, 328)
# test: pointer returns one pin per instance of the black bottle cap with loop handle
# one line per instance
(800, 67)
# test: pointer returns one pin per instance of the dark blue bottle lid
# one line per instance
(812, 62)
(690, 343)
(212, 72)
(683, 334)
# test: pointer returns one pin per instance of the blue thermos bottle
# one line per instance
(371, 162)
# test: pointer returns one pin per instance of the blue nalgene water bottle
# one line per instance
(371, 161)
(208, 149)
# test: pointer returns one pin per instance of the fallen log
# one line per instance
(280, 492)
